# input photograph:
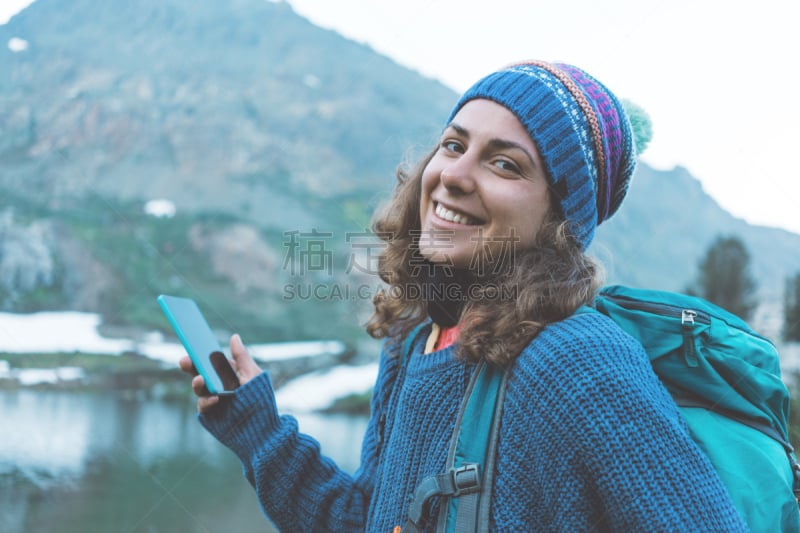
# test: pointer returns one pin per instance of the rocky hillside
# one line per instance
(273, 140)
(238, 107)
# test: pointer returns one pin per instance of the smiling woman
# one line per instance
(485, 266)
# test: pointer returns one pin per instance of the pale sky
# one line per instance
(717, 77)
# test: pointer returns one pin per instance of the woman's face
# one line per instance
(484, 192)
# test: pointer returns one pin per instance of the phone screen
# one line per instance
(200, 343)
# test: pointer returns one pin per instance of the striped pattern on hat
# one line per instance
(582, 133)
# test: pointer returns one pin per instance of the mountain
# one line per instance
(238, 105)
(665, 227)
(274, 140)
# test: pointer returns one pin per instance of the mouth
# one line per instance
(456, 217)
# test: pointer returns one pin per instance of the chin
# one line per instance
(445, 257)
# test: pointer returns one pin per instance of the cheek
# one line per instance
(526, 214)
(429, 178)
(427, 185)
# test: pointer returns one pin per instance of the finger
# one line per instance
(187, 366)
(238, 350)
(243, 362)
(199, 387)
(205, 400)
(206, 403)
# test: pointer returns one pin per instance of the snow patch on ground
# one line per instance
(56, 332)
(69, 332)
(317, 390)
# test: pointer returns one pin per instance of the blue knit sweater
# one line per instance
(590, 441)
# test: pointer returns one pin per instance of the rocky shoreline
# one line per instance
(134, 375)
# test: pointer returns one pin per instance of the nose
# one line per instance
(458, 176)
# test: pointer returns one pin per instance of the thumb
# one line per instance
(246, 368)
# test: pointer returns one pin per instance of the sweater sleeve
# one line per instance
(612, 452)
(298, 488)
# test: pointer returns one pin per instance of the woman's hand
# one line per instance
(243, 364)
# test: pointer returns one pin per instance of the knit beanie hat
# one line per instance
(585, 137)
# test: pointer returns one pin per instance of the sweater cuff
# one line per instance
(243, 420)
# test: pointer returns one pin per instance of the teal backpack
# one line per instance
(724, 377)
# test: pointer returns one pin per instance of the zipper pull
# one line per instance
(687, 328)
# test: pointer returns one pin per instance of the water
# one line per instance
(100, 462)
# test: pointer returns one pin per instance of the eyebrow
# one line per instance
(497, 144)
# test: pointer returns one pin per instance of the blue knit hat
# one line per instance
(582, 131)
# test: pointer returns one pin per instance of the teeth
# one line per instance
(452, 216)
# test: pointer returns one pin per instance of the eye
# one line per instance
(450, 145)
(507, 165)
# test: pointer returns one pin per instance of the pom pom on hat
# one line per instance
(585, 137)
(641, 125)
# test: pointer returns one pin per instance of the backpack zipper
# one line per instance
(687, 329)
(667, 310)
(676, 312)
(688, 317)
(688, 320)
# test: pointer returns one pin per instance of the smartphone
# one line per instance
(200, 343)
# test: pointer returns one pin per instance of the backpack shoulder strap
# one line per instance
(466, 484)
(408, 344)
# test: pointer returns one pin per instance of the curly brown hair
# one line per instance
(547, 283)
